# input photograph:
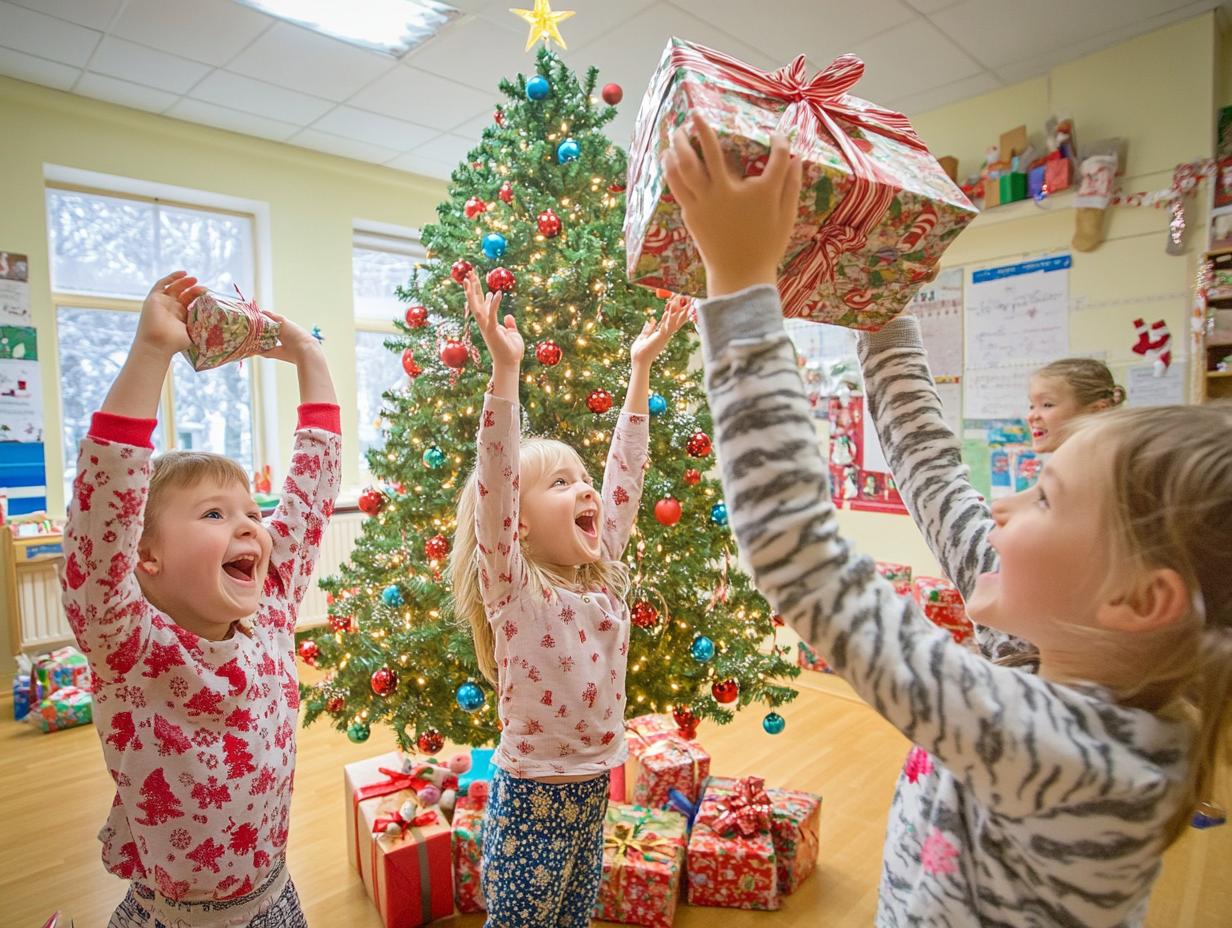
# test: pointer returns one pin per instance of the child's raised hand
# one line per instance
(740, 225)
(502, 338)
(164, 314)
(654, 335)
(295, 345)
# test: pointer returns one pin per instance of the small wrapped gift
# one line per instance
(481, 770)
(643, 857)
(876, 210)
(468, 818)
(794, 819)
(731, 861)
(935, 590)
(402, 851)
(63, 667)
(21, 696)
(808, 658)
(67, 707)
(661, 760)
(942, 605)
(898, 574)
(223, 329)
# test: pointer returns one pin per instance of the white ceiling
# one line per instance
(221, 64)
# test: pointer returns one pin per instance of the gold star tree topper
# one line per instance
(543, 24)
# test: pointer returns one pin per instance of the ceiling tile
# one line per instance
(447, 148)
(928, 7)
(37, 70)
(822, 30)
(337, 145)
(234, 121)
(422, 98)
(473, 128)
(475, 52)
(376, 130)
(217, 30)
(251, 96)
(125, 93)
(910, 59)
(141, 65)
(97, 14)
(927, 100)
(301, 60)
(36, 34)
(417, 164)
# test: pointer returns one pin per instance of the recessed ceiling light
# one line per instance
(391, 27)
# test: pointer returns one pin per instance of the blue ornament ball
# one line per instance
(434, 457)
(538, 88)
(658, 404)
(718, 513)
(702, 649)
(392, 596)
(470, 697)
(494, 245)
(773, 723)
(568, 150)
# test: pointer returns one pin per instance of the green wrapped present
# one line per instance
(67, 707)
(223, 329)
(876, 210)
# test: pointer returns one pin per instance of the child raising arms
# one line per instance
(184, 601)
(1034, 799)
(537, 571)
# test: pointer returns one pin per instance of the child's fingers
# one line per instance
(692, 171)
(780, 160)
(716, 164)
(178, 286)
(161, 285)
(510, 323)
(188, 296)
(790, 201)
(494, 301)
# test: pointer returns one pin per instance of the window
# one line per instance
(106, 250)
(379, 263)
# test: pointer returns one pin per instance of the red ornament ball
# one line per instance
(416, 316)
(548, 353)
(453, 354)
(430, 742)
(460, 269)
(335, 704)
(692, 477)
(616, 188)
(549, 223)
(371, 501)
(698, 444)
(308, 651)
(599, 402)
(437, 548)
(474, 207)
(684, 717)
(340, 623)
(499, 117)
(667, 511)
(384, 681)
(613, 94)
(409, 365)
(501, 278)
(506, 192)
(725, 691)
(644, 614)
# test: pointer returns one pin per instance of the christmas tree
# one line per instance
(537, 209)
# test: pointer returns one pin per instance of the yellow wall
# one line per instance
(313, 200)
(1159, 92)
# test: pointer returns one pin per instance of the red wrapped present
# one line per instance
(876, 210)
(661, 760)
(953, 618)
(468, 817)
(794, 819)
(935, 590)
(223, 329)
(731, 861)
(402, 853)
(898, 574)
(643, 857)
(808, 658)
(1058, 173)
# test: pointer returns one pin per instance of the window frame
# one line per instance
(62, 299)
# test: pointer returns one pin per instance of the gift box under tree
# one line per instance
(660, 760)
(403, 853)
(643, 858)
(876, 209)
(808, 658)
(468, 819)
(731, 861)
(67, 707)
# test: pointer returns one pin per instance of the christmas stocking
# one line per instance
(1094, 192)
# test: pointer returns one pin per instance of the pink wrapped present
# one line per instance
(731, 860)
(661, 760)
(223, 329)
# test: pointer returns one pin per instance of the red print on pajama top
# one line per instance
(562, 657)
(199, 736)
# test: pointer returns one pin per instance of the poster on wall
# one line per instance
(14, 289)
(1146, 387)
(859, 475)
(998, 451)
(22, 471)
(939, 307)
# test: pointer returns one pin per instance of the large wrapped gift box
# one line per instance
(643, 858)
(876, 210)
(731, 860)
(403, 853)
(660, 760)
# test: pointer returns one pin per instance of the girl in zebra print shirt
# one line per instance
(1033, 799)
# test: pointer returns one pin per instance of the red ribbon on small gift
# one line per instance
(394, 781)
(815, 105)
(746, 811)
(384, 821)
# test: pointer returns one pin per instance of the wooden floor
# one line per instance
(54, 795)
